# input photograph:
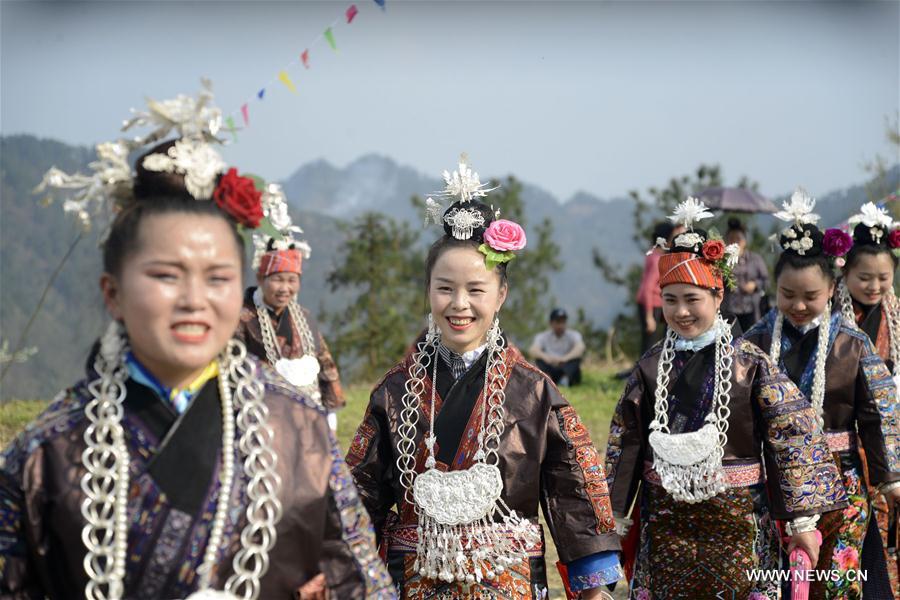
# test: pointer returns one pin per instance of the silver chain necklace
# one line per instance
(105, 482)
(817, 398)
(301, 372)
(458, 538)
(690, 464)
(891, 313)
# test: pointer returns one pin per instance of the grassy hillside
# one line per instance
(595, 400)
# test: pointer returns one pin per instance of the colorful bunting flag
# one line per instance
(230, 122)
(350, 14)
(329, 37)
(286, 80)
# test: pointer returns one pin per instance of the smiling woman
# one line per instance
(464, 440)
(700, 414)
(179, 466)
(851, 391)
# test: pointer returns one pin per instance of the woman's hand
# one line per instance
(649, 323)
(314, 589)
(809, 542)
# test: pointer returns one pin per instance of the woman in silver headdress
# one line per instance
(179, 466)
(464, 439)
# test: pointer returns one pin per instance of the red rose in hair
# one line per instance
(713, 250)
(894, 238)
(239, 197)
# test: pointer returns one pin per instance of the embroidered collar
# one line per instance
(804, 329)
(698, 343)
(460, 363)
(179, 398)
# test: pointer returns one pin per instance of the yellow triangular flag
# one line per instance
(286, 80)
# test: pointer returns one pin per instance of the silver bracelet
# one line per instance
(801, 525)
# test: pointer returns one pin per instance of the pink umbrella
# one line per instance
(799, 562)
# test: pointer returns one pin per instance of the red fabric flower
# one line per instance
(239, 197)
(713, 250)
(894, 238)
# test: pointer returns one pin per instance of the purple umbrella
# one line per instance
(736, 200)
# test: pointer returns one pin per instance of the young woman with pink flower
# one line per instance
(851, 390)
(866, 297)
(463, 440)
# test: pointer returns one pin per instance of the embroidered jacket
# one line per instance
(860, 395)
(173, 491)
(769, 419)
(290, 344)
(546, 458)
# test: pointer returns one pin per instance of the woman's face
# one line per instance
(179, 293)
(690, 310)
(803, 293)
(464, 298)
(870, 278)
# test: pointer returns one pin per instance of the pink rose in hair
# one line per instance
(836, 242)
(894, 239)
(502, 235)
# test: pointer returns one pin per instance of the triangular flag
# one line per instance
(351, 12)
(261, 93)
(305, 58)
(230, 122)
(286, 80)
(246, 113)
(380, 3)
(329, 36)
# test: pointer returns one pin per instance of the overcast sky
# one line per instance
(601, 97)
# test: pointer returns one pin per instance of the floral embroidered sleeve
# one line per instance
(371, 461)
(626, 446)
(878, 416)
(575, 497)
(798, 462)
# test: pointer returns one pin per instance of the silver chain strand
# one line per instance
(690, 464)
(817, 396)
(892, 313)
(105, 482)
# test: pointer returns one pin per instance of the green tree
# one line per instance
(382, 270)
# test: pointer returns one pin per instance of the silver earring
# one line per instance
(494, 333)
(433, 334)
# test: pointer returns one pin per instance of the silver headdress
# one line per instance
(109, 186)
(464, 185)
(275, 208)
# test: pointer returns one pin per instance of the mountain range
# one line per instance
(33, 239)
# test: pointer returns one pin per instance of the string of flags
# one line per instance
(283, 76)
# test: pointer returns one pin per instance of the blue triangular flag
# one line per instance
(261, 93)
